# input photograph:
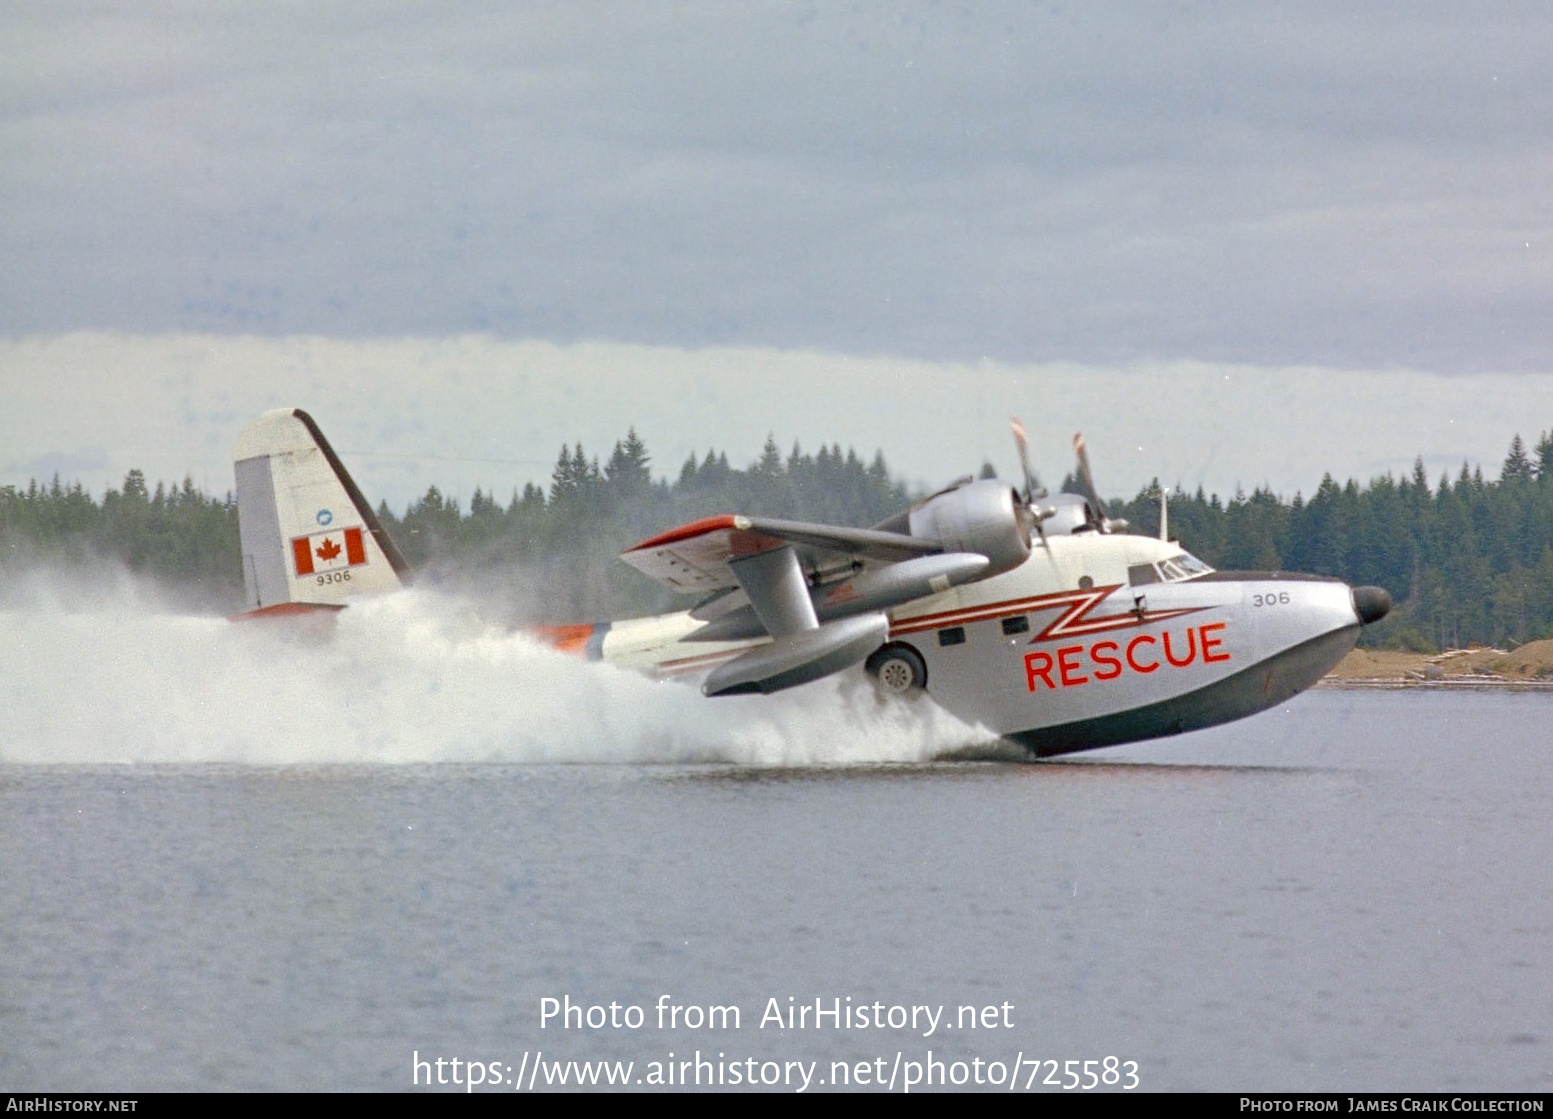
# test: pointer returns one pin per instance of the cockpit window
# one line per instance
(1176, 569)
(1191, 565)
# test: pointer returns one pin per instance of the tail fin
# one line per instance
(309, 538)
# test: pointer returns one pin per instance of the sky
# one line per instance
(1238, 244)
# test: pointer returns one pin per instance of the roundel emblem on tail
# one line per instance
(325, 517)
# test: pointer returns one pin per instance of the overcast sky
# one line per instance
(1346, 188)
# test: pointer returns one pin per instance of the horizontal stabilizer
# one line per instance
(290, 610)
(800, 657)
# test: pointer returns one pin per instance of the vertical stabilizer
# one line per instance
(308, 535)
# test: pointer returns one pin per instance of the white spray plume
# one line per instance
(412, 677)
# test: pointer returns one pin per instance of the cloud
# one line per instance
(1252, 184)
(89, 462)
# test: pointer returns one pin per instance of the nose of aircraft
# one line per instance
(1371, 604)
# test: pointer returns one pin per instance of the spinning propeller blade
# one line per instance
(1087, 480)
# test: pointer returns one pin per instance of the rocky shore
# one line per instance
(1528, 666)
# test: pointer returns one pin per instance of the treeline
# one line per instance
(1468, 560)
(177, 536)
(545, 555)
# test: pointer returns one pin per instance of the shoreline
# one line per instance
(1484, 684)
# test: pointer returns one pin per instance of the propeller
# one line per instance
(1087, 480)
(1023, 445)
(1030, 515)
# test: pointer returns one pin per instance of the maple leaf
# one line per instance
(328, 549)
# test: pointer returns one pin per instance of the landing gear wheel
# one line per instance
(899, 670)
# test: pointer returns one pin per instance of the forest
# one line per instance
(1469, 560)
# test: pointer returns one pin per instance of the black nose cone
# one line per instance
(1371, 603)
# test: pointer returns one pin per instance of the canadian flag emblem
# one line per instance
(326, 551)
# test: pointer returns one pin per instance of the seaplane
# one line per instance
(1034, 615)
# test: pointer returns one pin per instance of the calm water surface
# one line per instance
(1352, 893)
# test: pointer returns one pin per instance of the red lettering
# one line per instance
(1191, 649)
(1132, 660)
(1067, 660)
(1044, 672)
(1107, 657)
(1110, 668)
(1211, 643)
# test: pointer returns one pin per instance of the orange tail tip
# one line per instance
(586, 640)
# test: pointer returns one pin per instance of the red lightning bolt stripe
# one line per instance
(1074, 619)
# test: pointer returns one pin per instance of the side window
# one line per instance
(1020, 624)
(955, 635)
(1140, 574)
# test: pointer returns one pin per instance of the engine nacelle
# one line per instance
(981, 517)
(1066, 514)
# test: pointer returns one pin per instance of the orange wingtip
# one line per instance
(687, 532)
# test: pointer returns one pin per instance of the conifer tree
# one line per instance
(1517, 466)
(1545, 457)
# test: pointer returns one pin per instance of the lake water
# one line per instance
(208, 879)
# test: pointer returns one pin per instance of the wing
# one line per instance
(694, 558)
(818, 591)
